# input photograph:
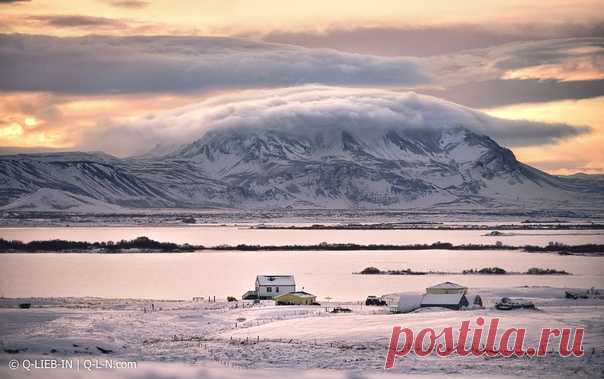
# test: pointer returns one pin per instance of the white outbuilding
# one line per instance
(408, 302)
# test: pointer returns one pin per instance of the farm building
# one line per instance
(446, 288)
(454, 301)
(408, 302)
(271, 286)
(445, 295)
(296, 298)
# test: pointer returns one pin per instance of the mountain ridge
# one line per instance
(320, 167)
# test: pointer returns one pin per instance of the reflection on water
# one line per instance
(326, 274)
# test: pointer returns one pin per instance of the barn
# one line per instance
(454, 301)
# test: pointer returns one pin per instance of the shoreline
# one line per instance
(438, 226)
(597, 228)
(145, 245)
(372, 271)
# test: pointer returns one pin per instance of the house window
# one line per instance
(269, 289)
(276, 289)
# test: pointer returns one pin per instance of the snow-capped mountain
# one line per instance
(307, 147)
(317, 167)
(363, 166)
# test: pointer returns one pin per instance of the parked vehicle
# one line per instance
(374, 300)
(588, 294)
(507, 304)
(341, 310)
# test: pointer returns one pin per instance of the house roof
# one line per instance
(299, 294)
(275, 280)
(442, 299)
(448, 285)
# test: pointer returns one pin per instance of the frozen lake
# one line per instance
(326, 274)
(233, 235)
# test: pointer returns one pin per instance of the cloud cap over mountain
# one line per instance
(300, 108)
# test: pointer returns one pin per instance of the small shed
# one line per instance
(475, 301)
(446, 288)
(454, 301)
(296, 298)
(249, 295)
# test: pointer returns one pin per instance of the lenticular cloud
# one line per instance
(307, 107)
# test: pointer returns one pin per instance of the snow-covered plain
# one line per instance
(221, 339)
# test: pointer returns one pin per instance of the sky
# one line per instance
(75, 74)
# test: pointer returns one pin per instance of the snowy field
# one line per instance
(229, 340)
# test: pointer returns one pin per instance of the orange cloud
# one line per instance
(47, 120)
(580, 68)
(582, 153)
(228, 17)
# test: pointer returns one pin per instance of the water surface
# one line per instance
(326, 274)
(232, 235)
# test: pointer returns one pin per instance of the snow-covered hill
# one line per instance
(313, 158)
(96, 176)
(51, 200)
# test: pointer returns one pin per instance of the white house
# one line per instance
(274, 285)
(271, 286)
